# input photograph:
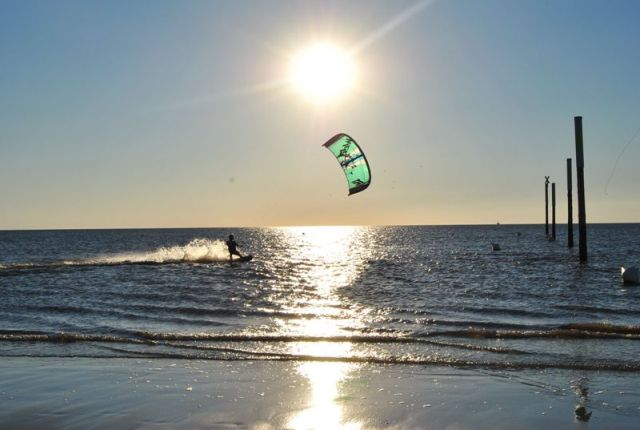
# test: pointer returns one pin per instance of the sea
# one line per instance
(390, 295)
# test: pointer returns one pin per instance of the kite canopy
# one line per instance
(352, 160)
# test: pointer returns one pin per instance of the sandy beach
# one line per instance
(165, 394)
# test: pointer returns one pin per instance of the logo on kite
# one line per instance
(352, 160)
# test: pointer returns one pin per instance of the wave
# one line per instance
(571, 331)
(599, 309)
(197, 251)
(603, 328)
(584, 330)
(143, 337)
(457, 323)
(244, 337)
(506, 311)
(111, 312)
(248, 346)
(419, 360)
(62, 337)
(238, 354)
(567, 331)
(167, 313)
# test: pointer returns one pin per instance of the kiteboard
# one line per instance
(244, 258)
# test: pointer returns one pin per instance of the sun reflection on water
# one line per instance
(323, 411)
(330, 258)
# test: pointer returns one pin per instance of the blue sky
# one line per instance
(170, 114)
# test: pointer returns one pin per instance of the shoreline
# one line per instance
(164, 393)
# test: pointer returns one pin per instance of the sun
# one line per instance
(322, 73)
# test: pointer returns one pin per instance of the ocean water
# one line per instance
(421, 295)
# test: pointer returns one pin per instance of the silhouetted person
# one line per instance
(233, 248)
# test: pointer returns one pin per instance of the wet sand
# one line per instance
(84, 393)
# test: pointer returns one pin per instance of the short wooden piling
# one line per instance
(582, 216)
(569, 206)
(546, 206)
(553, 211)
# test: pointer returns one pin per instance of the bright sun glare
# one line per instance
(322, 73)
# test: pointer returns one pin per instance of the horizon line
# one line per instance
(306, 225)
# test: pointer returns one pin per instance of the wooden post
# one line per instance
(582, 216)
(546, 206)
(569, 206)
(553, 211)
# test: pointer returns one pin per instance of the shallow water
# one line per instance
(425, 295)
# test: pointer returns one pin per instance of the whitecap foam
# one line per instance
(196, 251)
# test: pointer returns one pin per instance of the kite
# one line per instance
(352, 160)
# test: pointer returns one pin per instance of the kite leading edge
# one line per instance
(352, 160)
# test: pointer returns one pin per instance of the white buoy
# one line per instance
(630, 275)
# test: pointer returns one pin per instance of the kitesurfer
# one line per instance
(232, 246)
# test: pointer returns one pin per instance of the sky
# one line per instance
(154, 113)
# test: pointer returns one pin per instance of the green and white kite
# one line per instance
(352, 160)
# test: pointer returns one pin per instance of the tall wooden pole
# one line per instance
(553, 211)
(569, 206)
(582, 216)
(546, 206)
